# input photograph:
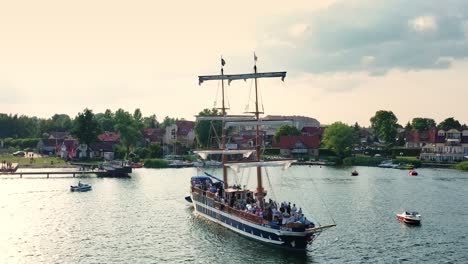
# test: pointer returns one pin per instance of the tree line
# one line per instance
(341, 137)
(22, 126)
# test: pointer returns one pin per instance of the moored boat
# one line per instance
(354, 173)
(404, 166)
(137, 165)
(412, 218)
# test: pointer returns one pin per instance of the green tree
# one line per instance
(205, 129)
(408, 126)
(339, 137)
(384, 124)
(128, 129)
(422, 124)
(168, 121)
(286, 131)
(155, 151)
(85, 127)
(449, 123)
(61, 122)
(137, 115)
(106, 120)
(150, 121)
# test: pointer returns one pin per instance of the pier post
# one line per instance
(47, 175)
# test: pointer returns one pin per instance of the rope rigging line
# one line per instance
(321, 199)
(261, 99)
(247, 107)
(273, 194)
(216, 97)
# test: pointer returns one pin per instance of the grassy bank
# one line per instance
(362, 161)
(156, 163)
(462, 166)
(35, 162)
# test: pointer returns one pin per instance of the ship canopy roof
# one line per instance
(204, 153)
(284, 164)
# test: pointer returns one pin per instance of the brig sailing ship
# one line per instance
(241, 210)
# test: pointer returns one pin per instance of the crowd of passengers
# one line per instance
(276, 214)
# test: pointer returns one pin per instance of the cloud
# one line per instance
(371, 36)
(423, 23)
(299, 30)
(465, 29)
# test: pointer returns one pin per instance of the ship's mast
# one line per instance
(232, 77)
(223, 137)
(258, 141)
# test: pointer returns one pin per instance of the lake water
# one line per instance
(144, 219)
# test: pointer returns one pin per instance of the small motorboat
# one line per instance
(412, 173)
(81, 187)
(412, 218)
(354, 173)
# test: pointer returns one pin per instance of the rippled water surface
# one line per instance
(144, 219)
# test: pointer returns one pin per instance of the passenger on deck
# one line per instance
(294, 209)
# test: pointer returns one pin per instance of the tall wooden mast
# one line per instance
(223, 137)
(232, 77)
(258, 141)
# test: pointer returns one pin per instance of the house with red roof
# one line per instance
(418, 139)
(154, 135)
(313, 131)
(109, 136)
(104, 147)
(299, 145)
(53, 143)
(182, 132)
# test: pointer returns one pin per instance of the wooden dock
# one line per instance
(50, 173)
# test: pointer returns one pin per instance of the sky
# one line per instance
(345, 59)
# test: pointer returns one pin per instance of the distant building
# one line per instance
(313, 131)
(298, 121)
(52, 145)
(154, 135)
(299, 145)
(446, 146)
(104, 147)
(182, 132)
(418, 139)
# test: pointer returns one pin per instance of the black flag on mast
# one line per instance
(223, 62)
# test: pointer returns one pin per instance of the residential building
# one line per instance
(298, 121)
(182, 132)
(104, 147)
(299, 145)
(446, 146)
(154, 135)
